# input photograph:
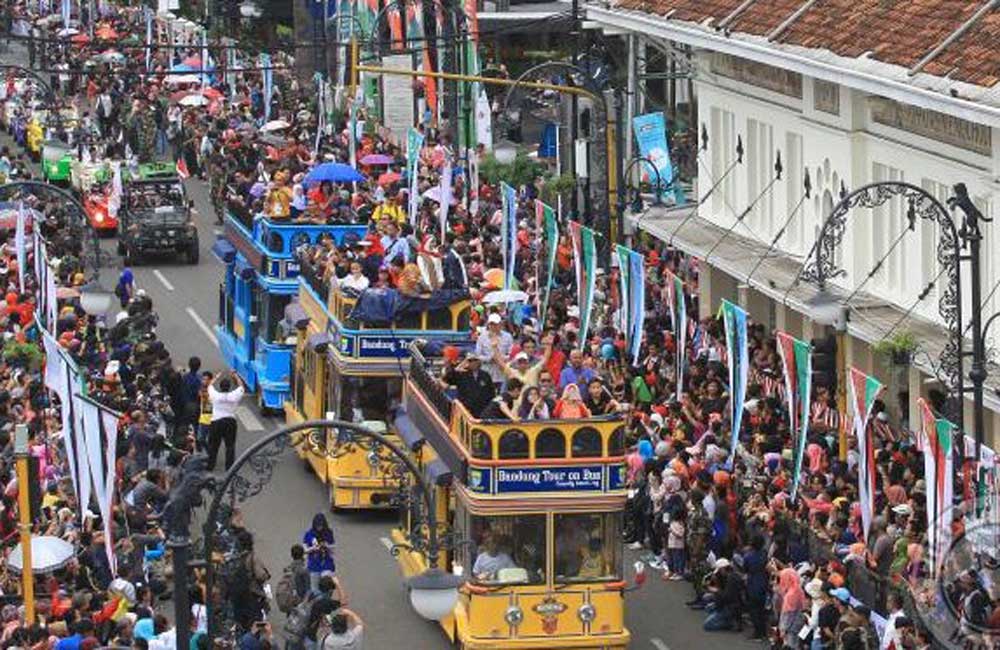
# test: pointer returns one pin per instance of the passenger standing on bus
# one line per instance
(494, 341)
(225, 394)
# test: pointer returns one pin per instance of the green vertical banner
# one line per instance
(414, 142)
(552, 242)
(585, 260)
(863, 390)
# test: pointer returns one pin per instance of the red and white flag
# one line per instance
(182, 169)
(864, 390)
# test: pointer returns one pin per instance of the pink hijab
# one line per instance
(815, 453)
(790, 587)
(896, 494)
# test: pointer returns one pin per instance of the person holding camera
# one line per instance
(224, 394)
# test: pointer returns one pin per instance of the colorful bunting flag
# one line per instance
(585, 263)
(678, 316)
(796, 362)
(938, 435)
(508, 232)
(552, 243)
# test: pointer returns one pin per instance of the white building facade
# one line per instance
(844, 122)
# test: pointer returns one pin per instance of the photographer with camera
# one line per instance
(224, 394)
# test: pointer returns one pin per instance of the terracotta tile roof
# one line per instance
(899, 32)
(764, 15)
(974, 58)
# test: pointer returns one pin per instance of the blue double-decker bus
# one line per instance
(261, 279)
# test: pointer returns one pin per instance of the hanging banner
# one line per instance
(67, 10)
(149, 40)
(678, 316)
(21, 243)
(508, 232)
(585, 263)
(863, 390)
(938, 436)
(268, 74)
(445, 194)
(484, 121)
(414, 143)
(100, 434)
(651, 136)
(796, 364)
(637, 303)
(552, 244)
(51, 300)
(473, 159)
(624, 257)
(735, 321)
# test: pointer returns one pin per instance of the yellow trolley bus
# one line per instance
(350, 370)
(536, 508)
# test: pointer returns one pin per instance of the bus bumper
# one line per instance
(360, 494)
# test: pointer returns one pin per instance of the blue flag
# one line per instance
(265, 63)
(651, 135)
(637, 302)
(508, 231)
(735, 320)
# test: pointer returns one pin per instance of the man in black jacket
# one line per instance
(452, 266)
(475, 386)
(728, 588)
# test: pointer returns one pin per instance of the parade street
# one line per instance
(186, 298)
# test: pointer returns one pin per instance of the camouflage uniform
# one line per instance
(699, 531)
(217, 172)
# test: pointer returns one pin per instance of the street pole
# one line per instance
(180, 546)
(973, 236)
(574, 109)
(22, 456)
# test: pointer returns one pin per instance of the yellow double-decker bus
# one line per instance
(352, 370)
(536, 509)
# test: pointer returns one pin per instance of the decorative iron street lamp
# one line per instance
(433, 593)
(951, 243)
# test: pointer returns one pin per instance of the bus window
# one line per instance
(275, 242)
(463, 323)
(588, 547)
(369, 398)
(274, 310)
(439, 319)
(507, 549)
(299, 239)
(513, 444)
(409, 321)
(482, 445)
(550, 443)
(587, 443)
(616, 443)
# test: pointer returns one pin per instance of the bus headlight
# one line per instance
(513, 615)
(587, 613)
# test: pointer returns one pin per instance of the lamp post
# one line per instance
(21, 459)
(821, 266)
(433, 593)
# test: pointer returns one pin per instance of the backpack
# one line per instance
(297, 620)
(285, 594)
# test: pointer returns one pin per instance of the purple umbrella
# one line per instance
(377, 159)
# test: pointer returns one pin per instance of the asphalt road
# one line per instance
(186, 300)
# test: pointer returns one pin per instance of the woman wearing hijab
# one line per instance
(793, 605)
(318, 543)
(125, 287)
(571, 407)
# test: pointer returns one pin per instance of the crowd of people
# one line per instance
(799, 573)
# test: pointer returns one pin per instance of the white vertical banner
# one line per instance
(100, 427)
(21, 244)
(51, 301)
(80, 445)
(445, 195)
(473, 190)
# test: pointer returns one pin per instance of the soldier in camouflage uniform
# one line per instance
(699, 531)
(218, 171)
(143, 125)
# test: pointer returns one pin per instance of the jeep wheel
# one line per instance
(131, 259)
(192, 254)
(121, 247)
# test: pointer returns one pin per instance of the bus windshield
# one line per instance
(506, 549)
(369, 398)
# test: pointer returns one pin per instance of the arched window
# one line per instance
(616, 443)
(482, 445)
(514, 444)
(275, 242)
(550, 443)
(300, 239)
(587, 443)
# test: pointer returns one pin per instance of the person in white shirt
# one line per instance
(346, 631)
(224, 394)
(355, 280)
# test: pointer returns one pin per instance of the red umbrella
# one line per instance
(106, 33)
(388, 178)
(80, 39)
(192, 61)
(211, 93)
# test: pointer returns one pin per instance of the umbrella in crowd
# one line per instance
(377, 159)
(275, 125)
(182, 79)
(333, 172)
(111, 56)
(106, 33)
(504, 297)
(388, 178)
(434, 194)
(67, 31)
(494, 278)
(194, 99)
(48, 554)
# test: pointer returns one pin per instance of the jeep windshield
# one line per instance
(167, 215)
(150, 196)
